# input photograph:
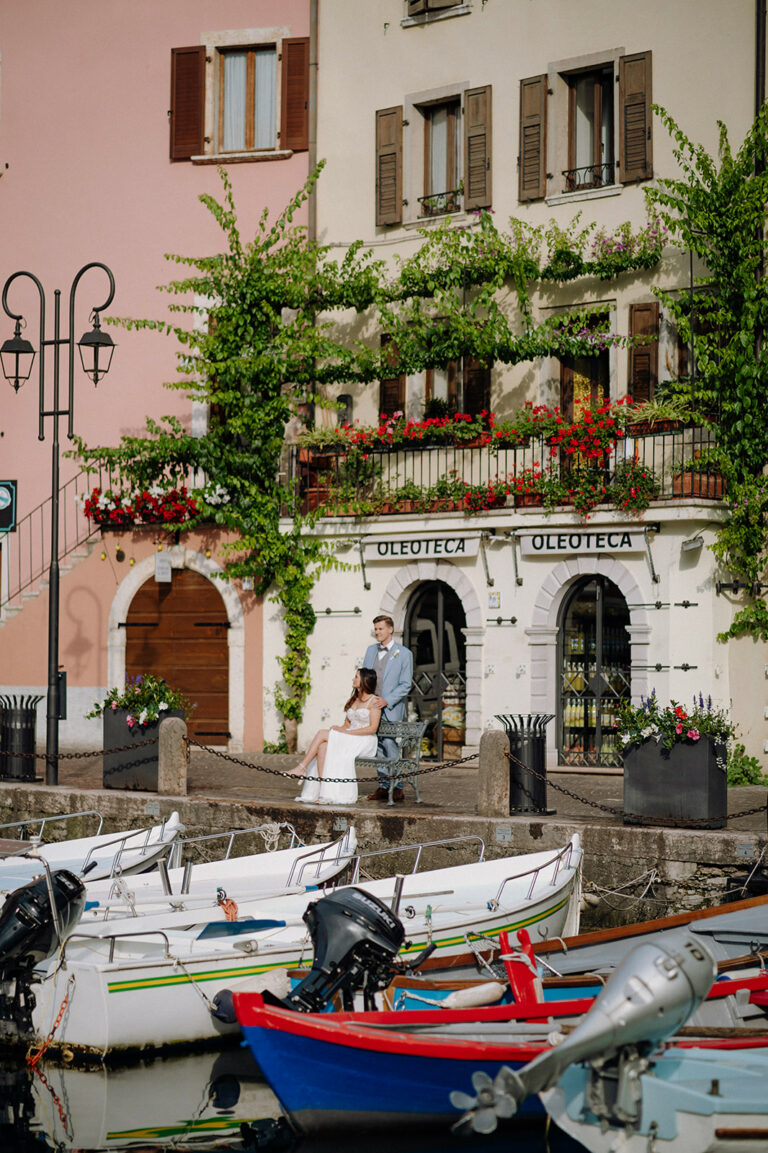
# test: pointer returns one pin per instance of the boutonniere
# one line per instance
(395, 652)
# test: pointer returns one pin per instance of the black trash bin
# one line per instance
(527, 733)
(17, 737)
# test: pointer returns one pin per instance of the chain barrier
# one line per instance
(668, 822)
(86, 755)
(420, 772)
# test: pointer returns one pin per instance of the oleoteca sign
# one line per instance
(410, 547)
(581, 541)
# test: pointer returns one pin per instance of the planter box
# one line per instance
(132, 767)
(707, 484)
(682, 786)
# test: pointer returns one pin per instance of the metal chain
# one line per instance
(694, 823)
(82, 756)
(34, 1056)
(329, 780)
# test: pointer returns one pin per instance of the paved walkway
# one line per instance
(447, 791)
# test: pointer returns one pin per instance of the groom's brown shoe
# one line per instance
(379, 795)
(398, 795)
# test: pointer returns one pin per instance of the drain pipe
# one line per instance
(312, 115)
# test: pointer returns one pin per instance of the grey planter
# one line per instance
(682, 786)
(132, 767)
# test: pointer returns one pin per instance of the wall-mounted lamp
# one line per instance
(692, 543)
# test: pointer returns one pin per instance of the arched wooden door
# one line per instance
(178, 630)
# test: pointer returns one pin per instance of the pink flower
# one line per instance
(114, 706)
(130, 721)
(678, 728)
(693, 734)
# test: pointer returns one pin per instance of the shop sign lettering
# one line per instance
(418, 547)
(595, 540)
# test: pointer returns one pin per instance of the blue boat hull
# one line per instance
(321, 1085)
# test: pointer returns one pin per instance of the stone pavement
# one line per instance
(449, 791)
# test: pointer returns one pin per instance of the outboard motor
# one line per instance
(28, 925)
(355, 938)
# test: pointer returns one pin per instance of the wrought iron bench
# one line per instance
(408, 735)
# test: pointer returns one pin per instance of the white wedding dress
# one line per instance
(343, 747)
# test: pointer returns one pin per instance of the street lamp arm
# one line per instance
(17, 316)
(100, 308)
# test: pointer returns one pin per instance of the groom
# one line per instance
(393, 665)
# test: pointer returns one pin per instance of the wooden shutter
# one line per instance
(187, 96)
(391, 388)
(416, 7)
(477, 386)
(294, 114)
(635, 136)
(477, 147)
(389, 165)
(644, 358)
(532, 160)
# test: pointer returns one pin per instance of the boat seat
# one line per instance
(404, 767)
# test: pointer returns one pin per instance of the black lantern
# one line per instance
(96, 348)
(17, 356)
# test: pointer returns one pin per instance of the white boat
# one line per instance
(203, 884)
(102, 855)
(151, 984)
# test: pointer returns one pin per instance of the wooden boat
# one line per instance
(150, 982)
(100, 856)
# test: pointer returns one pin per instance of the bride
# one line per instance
(332, 752)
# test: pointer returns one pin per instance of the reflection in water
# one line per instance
(200, 1102)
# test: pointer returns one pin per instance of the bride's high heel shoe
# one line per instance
(299, 771)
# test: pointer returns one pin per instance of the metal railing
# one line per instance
(24, 824)
(430, 478)
(439, 203)
(589, 176)
(28, 549)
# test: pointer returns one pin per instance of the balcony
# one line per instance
(644, 467)
(589, 177)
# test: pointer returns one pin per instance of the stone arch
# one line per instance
(542, 633)
(182, 557)
(394, 603)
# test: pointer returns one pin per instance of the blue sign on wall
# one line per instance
(7, 505)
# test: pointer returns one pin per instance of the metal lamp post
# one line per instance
(17, 356)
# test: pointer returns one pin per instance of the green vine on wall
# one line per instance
(253, 349)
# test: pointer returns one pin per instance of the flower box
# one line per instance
(131, 767)
(684, 786)
(694, 484)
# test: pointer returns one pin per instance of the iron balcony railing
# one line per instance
(419, 478)
(441, 202)
(590, 176)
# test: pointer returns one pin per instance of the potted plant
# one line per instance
(633, 487)
(526, 487)
(699, 477)
(131, 718)
(675, 761)
(662, 414)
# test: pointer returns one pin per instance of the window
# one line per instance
(590, 130)
(461, 386)
(239, 100)
(391, 389)
(418, 7)
(578, 118)
(247, 100)
(433, 155)
(442, 159)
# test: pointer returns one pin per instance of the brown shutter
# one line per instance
(635, 137)
(389, 165)
(477, 147)
(533, 138)
(416, 7)
(294, 114)
(187, 93)
(644, 358)
(477, 386)
(392, 388)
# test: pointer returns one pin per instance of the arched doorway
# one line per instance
(178, 630)
(594, 662)
(434, 624)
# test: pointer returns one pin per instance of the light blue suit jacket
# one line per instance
(396, 683)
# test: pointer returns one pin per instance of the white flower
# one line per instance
(162, 706)
(143, 717)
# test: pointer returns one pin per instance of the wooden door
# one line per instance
(178, 631)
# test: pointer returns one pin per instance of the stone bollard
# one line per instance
(172, 758)
(493, 782)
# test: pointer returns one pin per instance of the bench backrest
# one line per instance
(409, 733)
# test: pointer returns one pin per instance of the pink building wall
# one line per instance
(85, 175)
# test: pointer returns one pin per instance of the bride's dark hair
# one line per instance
(367, 686)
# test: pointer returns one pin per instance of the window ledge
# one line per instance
(430, 221)
(585, 194)
(433, 17)
(242, 157)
